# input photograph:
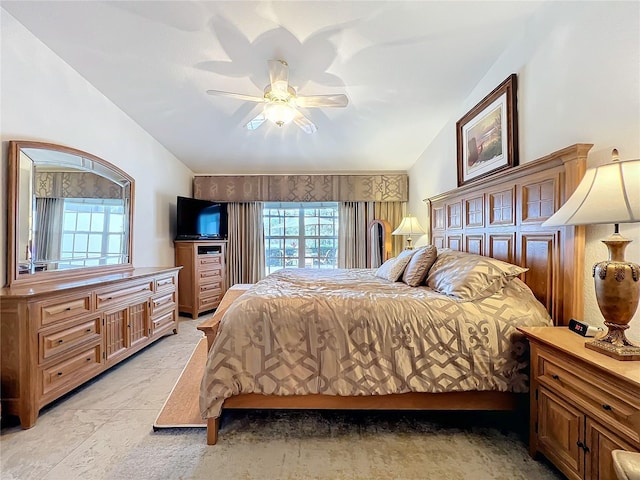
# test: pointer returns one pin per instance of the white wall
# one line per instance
(578, 66)
(44, 99)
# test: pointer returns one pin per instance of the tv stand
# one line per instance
(202, 280)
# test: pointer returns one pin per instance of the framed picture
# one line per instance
(487, 136)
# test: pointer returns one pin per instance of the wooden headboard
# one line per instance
(502, 216)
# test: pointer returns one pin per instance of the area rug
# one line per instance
(181, 409)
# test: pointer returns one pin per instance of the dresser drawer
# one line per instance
(210, 301)
(166, 284)
(206, 262)
(72, 371)
(62, 309)
(601, 398)
(209, 276)
(111, 296)
(162, 302)
(58, 341)
(163, 320)
(211, 286)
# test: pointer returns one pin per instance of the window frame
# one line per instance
(325, 254)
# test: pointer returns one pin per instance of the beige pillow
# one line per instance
(419, 265)
(392, 269)
(470, 277)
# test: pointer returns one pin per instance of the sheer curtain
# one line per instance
(245, 247)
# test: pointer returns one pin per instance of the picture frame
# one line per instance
(487, 135)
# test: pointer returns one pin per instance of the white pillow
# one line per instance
(393, 268)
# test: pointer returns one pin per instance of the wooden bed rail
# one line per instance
(210, 326)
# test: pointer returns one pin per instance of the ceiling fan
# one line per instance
(282, 102)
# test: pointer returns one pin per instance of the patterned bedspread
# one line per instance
(347, 332)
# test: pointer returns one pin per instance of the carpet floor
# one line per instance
(103, 430)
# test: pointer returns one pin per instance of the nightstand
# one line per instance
(584, 404)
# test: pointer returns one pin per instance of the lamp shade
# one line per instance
(607, 194)
(409, 226)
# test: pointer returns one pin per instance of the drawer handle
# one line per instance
(582, 446)
(60, 341)
(89, 359)
(88, 330)
(555, 377)
(607, 407)
(109, 298)
(68, 308)
(59, 374)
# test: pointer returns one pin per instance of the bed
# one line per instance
(351, 340)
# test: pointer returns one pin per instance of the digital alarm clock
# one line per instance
(583, 329)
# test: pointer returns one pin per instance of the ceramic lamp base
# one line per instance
(618, 293)
(615, 344)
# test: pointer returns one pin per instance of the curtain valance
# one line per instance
(75, 185)
(302, 188)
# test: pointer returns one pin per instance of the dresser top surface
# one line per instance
(564, 340)
(34, 290)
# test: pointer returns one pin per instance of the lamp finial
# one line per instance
(614, 155)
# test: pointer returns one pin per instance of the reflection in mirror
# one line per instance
(73, 211)
(379, 243)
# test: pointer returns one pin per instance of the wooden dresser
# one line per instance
(202, 278)
(583, 404)
(56, 336)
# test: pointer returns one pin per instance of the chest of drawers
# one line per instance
(584, 405)
(202, 278)
(57, 336)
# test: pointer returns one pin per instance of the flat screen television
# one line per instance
(200, 219)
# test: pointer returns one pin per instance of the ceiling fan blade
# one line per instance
(304, 123)
(338, 100)
(239, 96)
(256, 121)
(279, 75)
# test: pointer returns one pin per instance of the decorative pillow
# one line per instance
(419, 265)
(470, 277)
(392, 269)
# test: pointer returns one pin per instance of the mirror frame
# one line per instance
(13, 277)
(386, 239)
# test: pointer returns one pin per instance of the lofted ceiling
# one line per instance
(405, 67)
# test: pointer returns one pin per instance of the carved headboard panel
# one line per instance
(501, 217)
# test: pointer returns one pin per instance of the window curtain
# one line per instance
(48, 230)
(352, 233)
(353, 236)
(245, 247)
(392, 212)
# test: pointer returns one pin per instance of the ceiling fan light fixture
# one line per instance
(279, 113)
(281, 101)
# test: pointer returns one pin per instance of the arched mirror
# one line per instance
(70, 214)
(379, 243)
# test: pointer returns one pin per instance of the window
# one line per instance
(300, 235)
(93, 232)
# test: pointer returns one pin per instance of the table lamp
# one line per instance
(409, 226)
(610, 194)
